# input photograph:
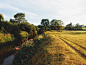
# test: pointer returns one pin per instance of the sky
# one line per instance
(35, 10)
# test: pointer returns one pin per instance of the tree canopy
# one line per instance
(20, 17)
(56, 24)
(73, 27)
(1, 17)
(45, 22)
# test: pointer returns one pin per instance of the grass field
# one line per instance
(61, 48)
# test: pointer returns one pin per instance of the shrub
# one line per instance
(24, 34)
(6, 37)
(27, 51)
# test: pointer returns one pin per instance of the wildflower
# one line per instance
(26, 55)
(14, 54)
(33, 41)
(30, 39)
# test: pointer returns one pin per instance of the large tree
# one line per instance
(56, 24)
(69, 26)
(20, 17)
(45, 22)
(1, 17)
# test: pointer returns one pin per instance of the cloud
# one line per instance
(36, 10)
(6, 17)
(30, 15)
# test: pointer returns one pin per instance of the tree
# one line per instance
(56, 24)
(73, 27)
(13, 21)
(20, 17)
(69, 26)
(1, 17)
(45, 22)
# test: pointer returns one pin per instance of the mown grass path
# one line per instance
(81, 51)
(54, 51)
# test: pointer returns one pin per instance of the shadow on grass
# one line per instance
(42, 55)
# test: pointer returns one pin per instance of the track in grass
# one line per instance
(77, 48)
(74, 43)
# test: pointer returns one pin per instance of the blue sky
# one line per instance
(35, 10)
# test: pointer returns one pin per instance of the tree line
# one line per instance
(16, 25)
(47, 25)
(74, 27)
(20, 23)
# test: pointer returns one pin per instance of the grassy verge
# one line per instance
(53, 51)
(47, 50)
(28, 49)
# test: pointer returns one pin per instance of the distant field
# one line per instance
(61, 48)
(74, 39)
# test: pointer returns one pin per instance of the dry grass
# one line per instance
(54, 51)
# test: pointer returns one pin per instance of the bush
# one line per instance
(24, 34)
(27, 51)
(6, 37)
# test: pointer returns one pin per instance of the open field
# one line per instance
(61, 48)
(75, 39)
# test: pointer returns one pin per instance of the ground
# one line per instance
(61, 48)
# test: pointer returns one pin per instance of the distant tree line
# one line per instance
(52, 25)
(74, 27)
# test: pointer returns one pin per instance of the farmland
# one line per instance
(61, 48)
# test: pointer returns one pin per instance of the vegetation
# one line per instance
(44, 44)
(53, 25)
(65, 47)
(19, 28)
(27, 50)
(1, 17)
(6, 37)
(72, 27)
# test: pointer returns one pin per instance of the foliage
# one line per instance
(8, 27)
(1, 17)
(20, 17)
(53, 25)
(6, 37)
(28, 28)
(24, 34)
(56, 24)
(72, 27)
(27, 51)
(43, 29)
(45, 22)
